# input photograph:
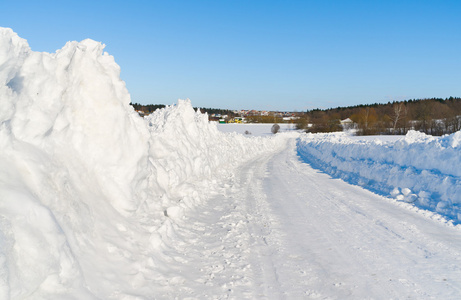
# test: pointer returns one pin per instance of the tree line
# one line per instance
(216, 111)
(435, 116)
(148, 108)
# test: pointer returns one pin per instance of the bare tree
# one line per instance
(366, 119)
(398, 110)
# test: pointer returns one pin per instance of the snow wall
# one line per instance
(417, 168)
(89, 191)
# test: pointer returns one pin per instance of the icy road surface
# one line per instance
(282, 230)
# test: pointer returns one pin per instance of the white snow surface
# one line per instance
(255, 129)
(88, 188)
(416, 168)
(99, 203)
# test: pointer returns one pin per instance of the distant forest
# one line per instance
(435, 116)
(216, 111)
(150, 108)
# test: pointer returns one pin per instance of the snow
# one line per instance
(279, 229)
(99, 203)
(315, 237)
(255, 129)
(415, 168)
(89, 189)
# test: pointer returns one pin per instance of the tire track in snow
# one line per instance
(260, 226)
(351, 242)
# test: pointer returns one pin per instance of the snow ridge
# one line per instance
(417, 168)
(91, 192)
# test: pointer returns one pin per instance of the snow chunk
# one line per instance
(395, 192)
(406, 191)
(410, 198)
(400, 197)
(417, 137)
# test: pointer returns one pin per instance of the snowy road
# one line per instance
(282, 230)
(102, 204)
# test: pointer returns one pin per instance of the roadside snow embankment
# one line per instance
(417, 168)
(89, 191)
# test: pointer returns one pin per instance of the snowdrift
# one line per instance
(417, 168)
(90, 191)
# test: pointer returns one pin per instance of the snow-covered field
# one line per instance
(255, 129)
(99, 203)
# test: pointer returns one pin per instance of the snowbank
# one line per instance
(417, 168)
(90, 191)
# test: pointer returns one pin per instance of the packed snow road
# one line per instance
(282, 230)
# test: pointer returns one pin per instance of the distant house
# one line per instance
(237, 120)
(347, 124)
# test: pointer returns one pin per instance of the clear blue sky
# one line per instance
(273, 55)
